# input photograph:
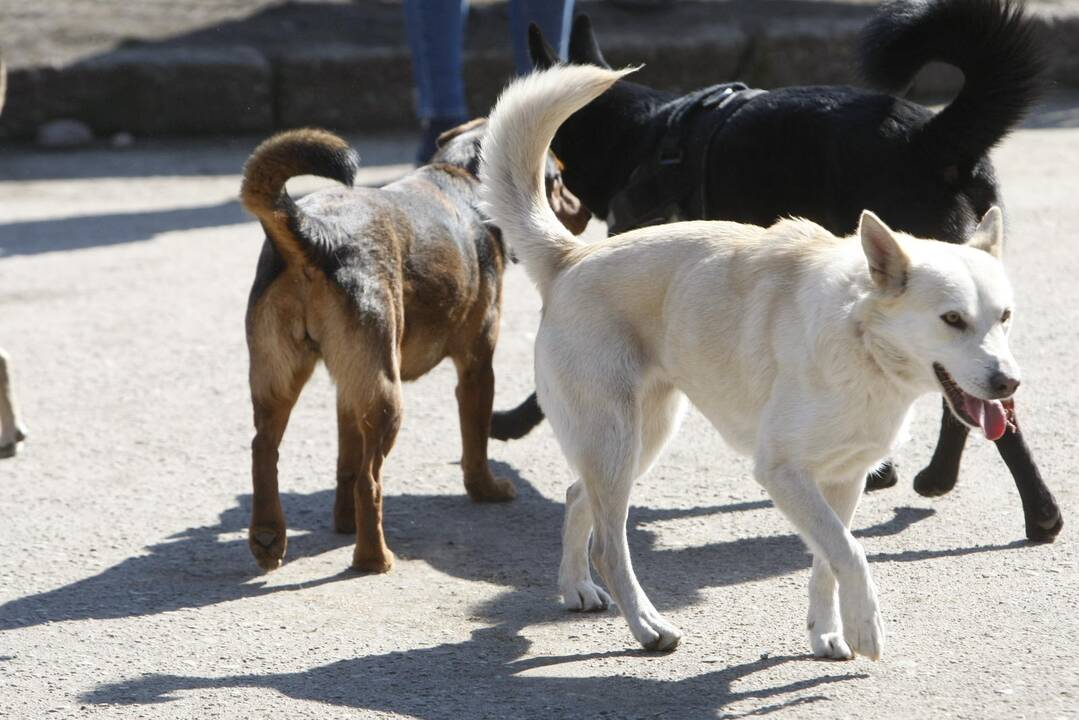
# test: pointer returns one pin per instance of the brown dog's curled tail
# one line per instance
(289, 154)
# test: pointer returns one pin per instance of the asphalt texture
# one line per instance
(126, 585)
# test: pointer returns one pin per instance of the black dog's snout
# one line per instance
(1003, 385)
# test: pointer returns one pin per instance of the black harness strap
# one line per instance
(671, 184)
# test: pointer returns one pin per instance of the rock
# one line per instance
(64, 133)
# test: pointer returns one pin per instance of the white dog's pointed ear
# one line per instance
(888, 264)
(989, 237)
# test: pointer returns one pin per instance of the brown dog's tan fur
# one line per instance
(381, 285)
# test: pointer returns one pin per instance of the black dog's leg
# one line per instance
(1043, 519)
(1040, 510)
(518, 422)
(885, 477)
(940, 475)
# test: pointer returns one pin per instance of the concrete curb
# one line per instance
(148, 92)
(171, 90)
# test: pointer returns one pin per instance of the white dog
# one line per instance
(804, 349)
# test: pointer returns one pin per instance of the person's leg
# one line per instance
(435, 31)
(554, 18)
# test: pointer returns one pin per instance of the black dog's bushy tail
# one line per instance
(283, 156)
(516, 423)
(992, 41)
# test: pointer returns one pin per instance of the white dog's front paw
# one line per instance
(830, 645)
(585, 596)
(653, 632)
(865, 637)
(863, 628)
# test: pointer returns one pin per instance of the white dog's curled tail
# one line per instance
(519, 131)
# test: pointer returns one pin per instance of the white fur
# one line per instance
(782, 337)
(11, 429)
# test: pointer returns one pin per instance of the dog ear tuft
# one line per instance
(583, 48)
(888, 263)
(989, 237)
(543, 55)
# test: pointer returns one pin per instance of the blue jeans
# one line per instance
(436, 33)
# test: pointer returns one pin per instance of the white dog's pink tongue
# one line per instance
(989, 414)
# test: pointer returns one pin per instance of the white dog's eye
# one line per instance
(1006, 316)
(954, 319)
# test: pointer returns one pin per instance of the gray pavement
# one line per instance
(127, 590)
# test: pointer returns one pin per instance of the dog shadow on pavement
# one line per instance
(194, 568)
(488, 674)
(211, 564)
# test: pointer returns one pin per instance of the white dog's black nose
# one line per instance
(1003, 385)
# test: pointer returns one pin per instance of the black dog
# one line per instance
(638, 156)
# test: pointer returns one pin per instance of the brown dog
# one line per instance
(382, 285)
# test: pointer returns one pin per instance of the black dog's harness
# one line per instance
(671, 183)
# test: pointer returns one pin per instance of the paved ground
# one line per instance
(127, 590)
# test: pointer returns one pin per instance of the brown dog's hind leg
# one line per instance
(275, 387)
(475, 396)
(362, 356)
(368, 442)
(349, 457)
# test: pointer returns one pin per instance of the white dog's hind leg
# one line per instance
(795, 493)
(11, 432)
(579, 592)
(609, 464)
(610, 554)
(825, 627)
(662, 409)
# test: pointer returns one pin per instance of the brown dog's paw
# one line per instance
(490, 489)
(268, 546)
(381, 562)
